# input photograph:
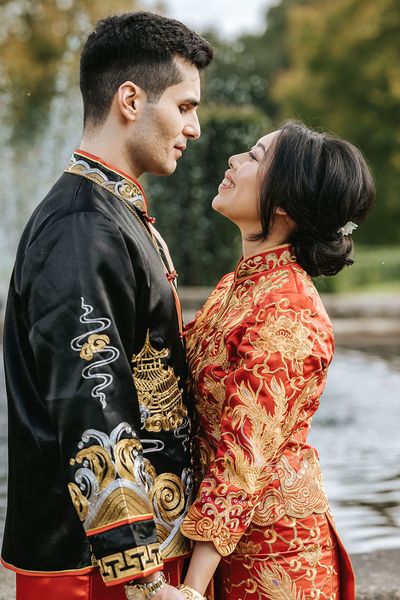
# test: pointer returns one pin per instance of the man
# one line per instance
(99, 475)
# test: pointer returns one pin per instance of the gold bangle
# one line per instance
(190, 593)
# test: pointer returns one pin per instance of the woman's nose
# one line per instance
(233, 162)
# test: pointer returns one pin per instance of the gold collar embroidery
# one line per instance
(272, 258)
(121, 185)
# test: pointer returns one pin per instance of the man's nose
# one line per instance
(192, 127)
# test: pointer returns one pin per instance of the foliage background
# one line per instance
(334, 65)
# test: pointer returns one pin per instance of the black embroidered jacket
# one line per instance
(99, 465)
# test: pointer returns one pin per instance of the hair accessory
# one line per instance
(348, 228)
(190, 593)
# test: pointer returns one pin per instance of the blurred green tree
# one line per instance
(39, 44)
(204, 245)
(343, 73)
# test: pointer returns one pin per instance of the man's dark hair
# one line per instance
(138, 47)
(322, 182)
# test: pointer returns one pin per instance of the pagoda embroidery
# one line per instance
(160, 398)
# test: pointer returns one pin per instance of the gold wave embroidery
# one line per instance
(114, 482)
(169, 502)
(157, 388)
(80, 502)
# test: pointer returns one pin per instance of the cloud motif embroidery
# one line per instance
(91, 343)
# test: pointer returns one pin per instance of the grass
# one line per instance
(375, 269)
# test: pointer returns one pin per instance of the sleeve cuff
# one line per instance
(138, 553)
(206, 529)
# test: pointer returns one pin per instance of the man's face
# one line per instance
(163, 128)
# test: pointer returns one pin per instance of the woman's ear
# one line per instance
(285, 220)
(281, 212)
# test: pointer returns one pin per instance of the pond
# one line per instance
(356, 431)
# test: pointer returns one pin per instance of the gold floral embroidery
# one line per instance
(159, 395)
(312, 555)
(284, 335)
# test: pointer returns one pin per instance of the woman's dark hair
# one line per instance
(322, 182)
(139, 47)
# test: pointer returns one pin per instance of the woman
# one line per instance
(259, 351)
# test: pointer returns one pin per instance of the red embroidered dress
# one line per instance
(258, 354)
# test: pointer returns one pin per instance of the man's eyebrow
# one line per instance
(191, 101)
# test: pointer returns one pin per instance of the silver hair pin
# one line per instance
(348, 228)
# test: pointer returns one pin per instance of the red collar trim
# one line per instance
(105, 164)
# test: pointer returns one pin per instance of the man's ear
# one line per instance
(130, 100)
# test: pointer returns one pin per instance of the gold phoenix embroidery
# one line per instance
(267, 397)
(157, 388)
(276, 583)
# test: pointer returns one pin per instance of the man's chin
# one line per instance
(164, 171)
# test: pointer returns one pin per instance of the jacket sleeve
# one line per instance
(80, 296)
(280, 362)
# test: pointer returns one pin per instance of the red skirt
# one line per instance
(293, 558)
(82, 587)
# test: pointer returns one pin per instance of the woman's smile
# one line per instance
(227, 182)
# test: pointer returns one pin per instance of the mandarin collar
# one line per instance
(279, 256)
(119, 183)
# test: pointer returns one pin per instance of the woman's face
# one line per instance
(239, 192)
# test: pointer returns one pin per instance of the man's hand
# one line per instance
(168, 592)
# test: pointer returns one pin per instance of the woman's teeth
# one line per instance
(227, 183)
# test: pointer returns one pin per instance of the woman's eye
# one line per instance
(252, 155)
(183, 109)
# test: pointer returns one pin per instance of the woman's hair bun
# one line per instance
(324, 257)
